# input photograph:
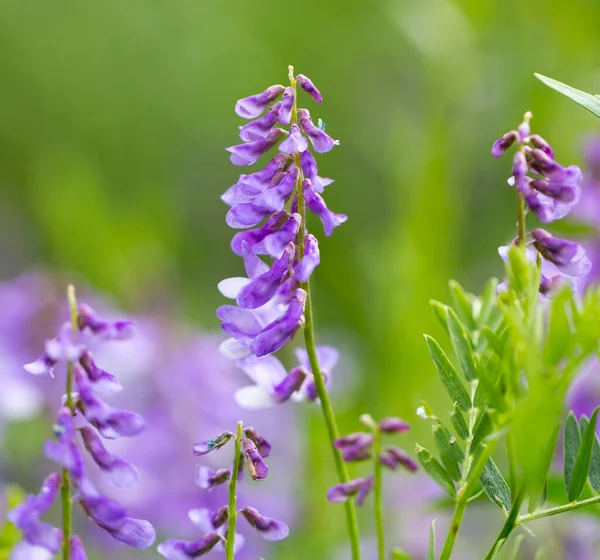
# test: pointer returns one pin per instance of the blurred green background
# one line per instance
(114, 116)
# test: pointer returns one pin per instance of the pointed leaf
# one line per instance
(594, 473)
(538, 488)
(439, 310)
(449, 449)
(481, 429)
(399, 554)
(435, 470)
(497, 342)
(584, 457)
(572, 441)
(462, 304)
(431, 547)
(586, 100)
(461, 344)
(488, 301)
(448, 375)
(458, 421)
(495, 486)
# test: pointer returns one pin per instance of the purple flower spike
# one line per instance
(393, 425)
(269, 529)
(257, 467)
(287, 103)
(263, 446)
(262, 289)
(295, 143)
(502, 144)
(311, 259)
(117, 471)
(77, 550)
(317, 205)
(568, 256)
(184, 550)
(207, 479)
(103, 382)
(359, 487)
(88, 319)
(394, 457)
(310, 171)
(250, 152)
(209, 445)
(279, 332)
(65, 452)
(309, 87)
(254, 105)
(26, 517)
(321, 141)
(260, 128)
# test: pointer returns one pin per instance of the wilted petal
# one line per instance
(185, 550)
(26, 551)
(310, 88)
(204, 447)
(545, 165)
(317, 205)
(287, 103)
(254, 105)
(270, 529)
(263, 446)
(257, 467)
(260, 128)
(321, 141)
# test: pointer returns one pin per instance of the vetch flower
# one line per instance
(392, 425)
(207, 478)
(311, 259)
(260, 128)
(311, 172)
(321, 141)
(257, 467)
(359, 487)
(204, 447)
(306, 84)
(394, 457)
(568, 256)
(250, 152)
(295, 143)
(287, 104)
(65, 452)
(269, 529)
(89, 321)
(317, 205)
(254, 105)
(355, 447)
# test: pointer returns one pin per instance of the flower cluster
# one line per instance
(360, 446)
(250, 451)
(270, 300)
(85, 415)
(550, 191)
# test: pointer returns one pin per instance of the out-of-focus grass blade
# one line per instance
(431, 547)
(586, 100)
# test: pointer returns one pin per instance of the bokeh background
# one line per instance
(114, 117)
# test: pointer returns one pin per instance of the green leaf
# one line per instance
(594, 472)
(560, 340)
(448, 375)
(431, 547)
(449, 449)
(495, 486)
(572, 441)
(584, 457)
(488, 301)
(586, 100)
(439, 310)
(461, 344)
(481, 429)
(458, 421)
(538, 487)
(462, 304)
(496, 342)
(399, 554)
(435, 470)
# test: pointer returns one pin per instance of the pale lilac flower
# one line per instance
(250, 152)
(321, 141)
(317, 205)
(254, 105)
(359, 487)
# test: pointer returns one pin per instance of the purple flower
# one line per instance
(62, 348)
(311, 259)
(317, 205)
(394, 457)
(327, 357)
(103, 382)
(212, 444)
(295, 143)
(77, 550)
(568, 256)
(275, 243)
(207, 478)
(207, 520)
(260, 128)
(321, 141)
(309, 88)
(503, 143)
(250, 152)
(311, 172)
(287, 104)
(65, 452)
(254, 238)
(89, 320)
(355, 447)
(263, 446)
(257, 467)
(393, 425)
(184, 550)
(269, 529)
(254, 105)
(359, 487)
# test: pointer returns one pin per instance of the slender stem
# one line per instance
(511, 522)
(311, 349)
(457, 517)
(520, 218)
(65, 490)
(230, 540)
(512, 463)
(378, 492)
(558, 509)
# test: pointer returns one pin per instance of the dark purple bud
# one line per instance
(394, 457)
(103, 382)
(524, 129)
(269, 529)
(321, 141)
(263, 446)
(254, 105)
(310, 171)
(540, 143)
(77, 550)
(89, 320)
(317, 205)
(184, 550)
(287, 104)
(117, 471)
(355, 447)
(209, 445)
(295, 143)
(250, 152)
(309, 87)
(292, 383)
(393, 425)
(359, 487)
(280, 331)
(260, 128)
(568, 256)
(257, 467)
(563, 192)
(207, 479)
(311, 259)
(276, 242)
(502, 144)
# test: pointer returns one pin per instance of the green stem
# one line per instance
(65, 490)
(311, 349)
(511, 522)
(520, 218)
(230, 540)
(378, 492)
(558, 509)
(512, 463)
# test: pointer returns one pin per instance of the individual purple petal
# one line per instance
(309, 87)
(269, 529)
(136, 533)
(77, 550)
(207, 478)
(317, 205)
(262, 288)
(242, 324)
(233, 349)
(568, 256)
(549, 285)
(204, 447)
(229, 197)
(295, 143)
(104, 511)
(392, 425)
(89, 320)
(280, 331)
(563, 192)
(260, 128)
(254, 105)
(261, 179)
(290, 385)
(103, 382)
(310, 171)
(42, 367)
(540, 143)
(311, 259)
(185, 550)
(263, 446)
(287, 104)
(117, 471)
(254, 265)
(359, 487)
(257, 467)
(321, 141)
(275, 243)
(230, 287)
(255, 237)
(543, 164)
(266, 372)
(394, 457)
(250, 152)
(502, 144)
(245, 215)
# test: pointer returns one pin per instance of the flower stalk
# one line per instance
(378, 492)
(230, 537)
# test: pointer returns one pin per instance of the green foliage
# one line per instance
(435, 470)
(449, 450)
(586, 100)
(495, 486)
(431, 546)
(9, 534)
